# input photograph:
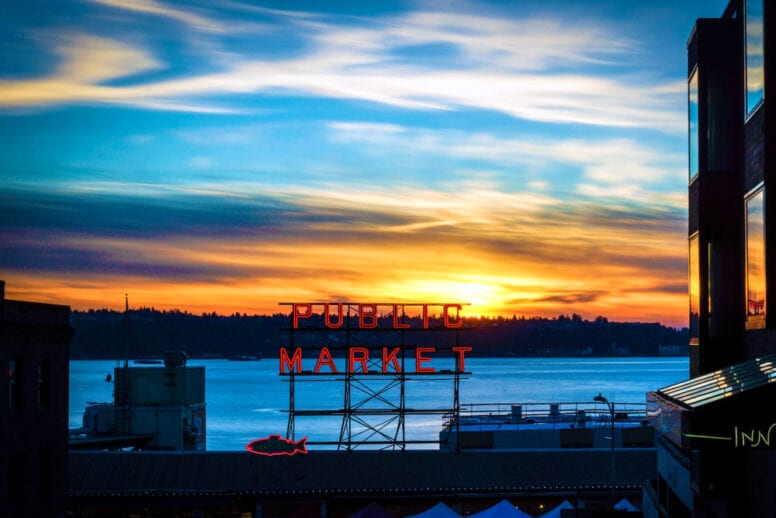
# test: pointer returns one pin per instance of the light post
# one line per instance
(601, 399)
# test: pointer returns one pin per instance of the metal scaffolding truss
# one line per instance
(374, 408)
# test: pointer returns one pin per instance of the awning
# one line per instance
(728, 408)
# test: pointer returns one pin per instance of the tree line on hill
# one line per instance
(148, 333)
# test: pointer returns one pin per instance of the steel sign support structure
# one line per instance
(374, 412)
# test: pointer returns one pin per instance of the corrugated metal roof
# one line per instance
(718, 385)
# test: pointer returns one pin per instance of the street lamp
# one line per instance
(601, 399)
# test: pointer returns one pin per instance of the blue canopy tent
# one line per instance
(438, 511)
(503, 509)
(556, 511)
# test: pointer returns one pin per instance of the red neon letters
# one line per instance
(359, 358)
(368, 316)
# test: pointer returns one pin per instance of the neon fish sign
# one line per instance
(274, 445)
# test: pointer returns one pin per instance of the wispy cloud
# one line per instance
(620, 169)
(152, 7)
(87, 64)
(89, 59)
(526, 68)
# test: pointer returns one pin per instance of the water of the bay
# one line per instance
(248, 400)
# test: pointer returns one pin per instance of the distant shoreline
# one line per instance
(470, 355)
(148, 333)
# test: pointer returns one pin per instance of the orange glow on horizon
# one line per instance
(511, 261)
(262, 296)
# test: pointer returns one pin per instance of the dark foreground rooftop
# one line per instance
(98, 479)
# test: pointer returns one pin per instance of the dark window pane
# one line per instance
(16, 478)
(15, 383)
(44, 383)
(44, 472)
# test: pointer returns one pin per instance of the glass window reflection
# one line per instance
(754, 55)
(692, 108)
(694, 288)
(755, 260)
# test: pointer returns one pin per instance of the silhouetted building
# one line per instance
(34, 345)
(715, 429)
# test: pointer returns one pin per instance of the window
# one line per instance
(15, 383)
(694, 286)
(755, 260)
(712, 286)
(692, 109)
(45, 473)
(755, 84)
(15, 478)
(44, 383)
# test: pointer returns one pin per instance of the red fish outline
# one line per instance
(274, 444)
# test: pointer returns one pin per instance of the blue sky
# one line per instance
(528, 157)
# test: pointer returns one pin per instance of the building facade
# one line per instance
(34, 355)
(714, 448)
(155, 408)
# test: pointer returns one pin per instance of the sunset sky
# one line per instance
(527, 157)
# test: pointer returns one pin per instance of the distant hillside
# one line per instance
(147, 333)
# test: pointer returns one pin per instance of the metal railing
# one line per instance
(528, 413)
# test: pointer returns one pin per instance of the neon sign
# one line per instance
(359, 357)
(367, 317)
(745, 437)
(274, 445)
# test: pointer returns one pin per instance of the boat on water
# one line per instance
(511, 426)
(244, 358)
